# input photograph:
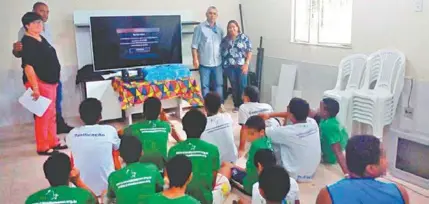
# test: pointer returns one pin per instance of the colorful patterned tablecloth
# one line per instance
(136, 92)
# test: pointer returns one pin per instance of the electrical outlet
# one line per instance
(409, 112)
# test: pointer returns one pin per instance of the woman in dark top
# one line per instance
(236, 51)
(41, 74)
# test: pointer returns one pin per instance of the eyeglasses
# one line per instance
(212, 13)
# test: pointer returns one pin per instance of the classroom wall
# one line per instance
(376, 24)
(61, 23)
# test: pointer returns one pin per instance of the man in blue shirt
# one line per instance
(206, 51)
(43, 10)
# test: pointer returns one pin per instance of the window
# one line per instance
(322, 22)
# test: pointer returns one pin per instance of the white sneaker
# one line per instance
(235, 110)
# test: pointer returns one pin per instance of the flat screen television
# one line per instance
(127, 42)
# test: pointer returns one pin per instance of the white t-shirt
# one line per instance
(298, 146)
(219, 132)
(91, 147)
(250, 109)
(291, 197)
(46, 33)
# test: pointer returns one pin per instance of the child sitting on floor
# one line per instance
(333, 136)
(219, 129)
(179, 174)
(153, 133)
(297, 146)
(251, 107)
(366, 161)
(274, 184)
(136, 182)
(203, 155)
(264, 158)
(59, 172)
(91, 146)
(255, 134)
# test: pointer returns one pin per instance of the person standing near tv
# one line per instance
(206, 52)
(41, 73)
(43, 10)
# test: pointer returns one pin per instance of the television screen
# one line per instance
(121, 42)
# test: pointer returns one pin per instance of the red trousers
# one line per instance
(45, 127)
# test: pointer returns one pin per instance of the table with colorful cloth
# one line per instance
(136, 92)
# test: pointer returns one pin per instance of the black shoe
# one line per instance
(48, 152)
(60, 147)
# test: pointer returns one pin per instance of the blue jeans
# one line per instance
(238, 82)
(59, 98)
(205, 75)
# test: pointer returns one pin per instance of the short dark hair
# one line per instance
(29, 17)
(252, 92)
(37, 4)
(332, 106)
(130, 149)
(265, 157)
(57, 169)
(90, 111)
(275, 183)
(299, 108)
(179, 168)
(212, 102)
(194, 123)
(255, 122)
(152, 108)
(361, 151)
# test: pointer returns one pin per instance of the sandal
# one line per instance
(60, 147)
(47, 152)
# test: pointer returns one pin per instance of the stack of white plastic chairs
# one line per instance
(350, 74)
(377, 107)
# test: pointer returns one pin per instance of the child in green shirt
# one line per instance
(59, 172)
(179, 174)
(255, 134)
(333, 136)
(204, 156)
(136, 182)
(153, 133)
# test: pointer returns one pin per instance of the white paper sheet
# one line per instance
(38, 107)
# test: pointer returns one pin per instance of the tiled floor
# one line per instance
(21, 169)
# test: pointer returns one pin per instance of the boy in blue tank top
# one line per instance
(366, 161)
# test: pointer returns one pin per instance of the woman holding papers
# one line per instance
(41, 73)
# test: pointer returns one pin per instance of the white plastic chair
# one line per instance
(377, 107)
(351, 70)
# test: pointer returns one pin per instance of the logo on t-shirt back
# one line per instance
(89, 134)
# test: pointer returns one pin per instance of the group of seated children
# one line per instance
(278, 158)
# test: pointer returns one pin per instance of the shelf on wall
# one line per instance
(184, 23)
(190, 22)
(187, 33)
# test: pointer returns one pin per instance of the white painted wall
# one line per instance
(376, 24)
(61, 23)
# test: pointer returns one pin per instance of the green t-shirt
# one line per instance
(61, 194)
(159, 198)
(134, 183)
(205, 160)
(331, 132)
(251, 171)
(153, 134)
